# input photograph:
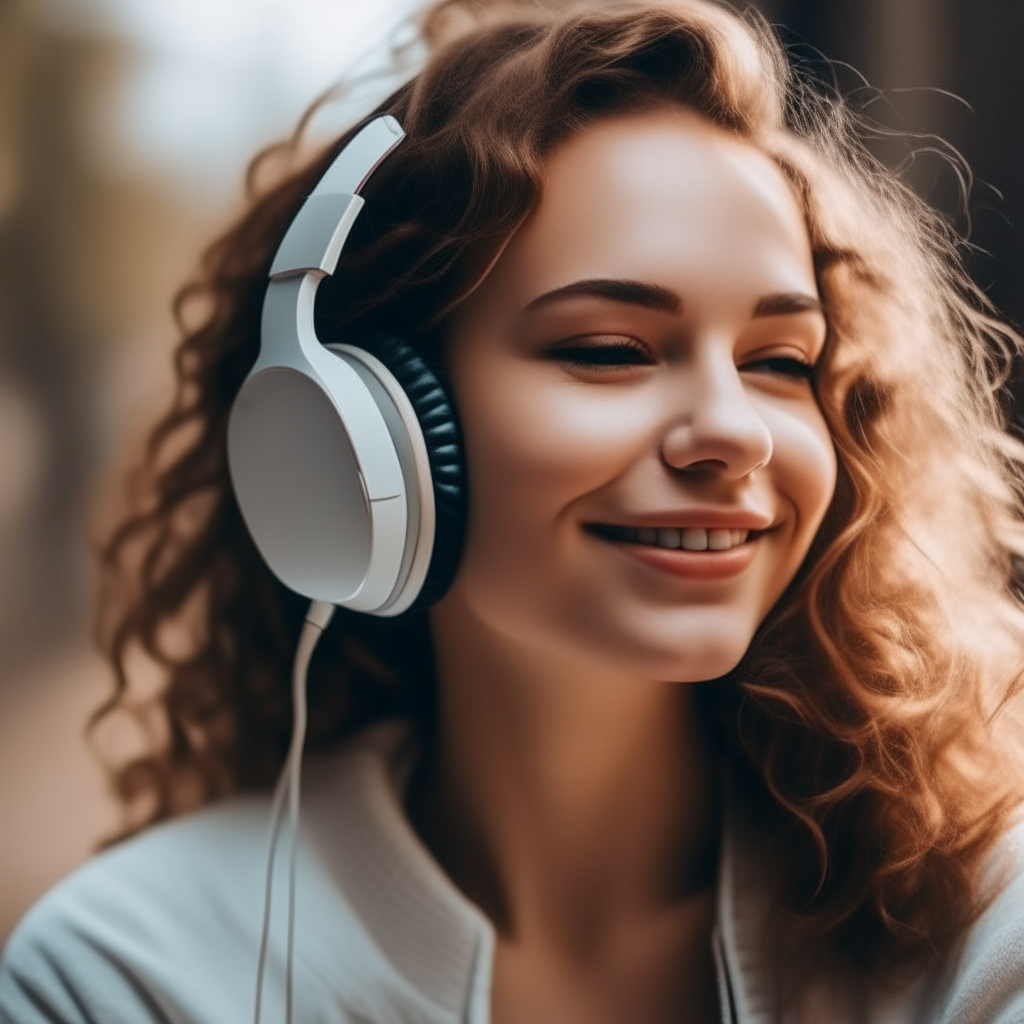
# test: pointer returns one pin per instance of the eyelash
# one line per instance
(632, 353)
(784, 367)
(626, 352)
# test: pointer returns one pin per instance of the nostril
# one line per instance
(703, 466)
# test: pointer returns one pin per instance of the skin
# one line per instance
(569, 792)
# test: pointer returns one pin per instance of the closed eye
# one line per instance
(781, 366)
(613, 352)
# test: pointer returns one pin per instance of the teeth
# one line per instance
(719, 540)
(695, 539)
(690, 539)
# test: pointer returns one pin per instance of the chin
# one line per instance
(683, 645)
(710, 661)
(690, 653)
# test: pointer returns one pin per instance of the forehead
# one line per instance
(667, 198)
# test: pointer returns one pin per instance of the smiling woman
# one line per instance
(705, 711)
(647, 369)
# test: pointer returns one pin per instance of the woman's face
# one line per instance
(647, 461)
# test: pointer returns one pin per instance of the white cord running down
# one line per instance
(317, 618)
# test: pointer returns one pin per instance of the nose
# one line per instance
(719, 429)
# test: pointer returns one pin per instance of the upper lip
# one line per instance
(695, 518)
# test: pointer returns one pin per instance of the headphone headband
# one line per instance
(314, 240)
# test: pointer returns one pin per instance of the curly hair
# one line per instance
(862, 722)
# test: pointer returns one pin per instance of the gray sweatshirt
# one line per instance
(165, 928)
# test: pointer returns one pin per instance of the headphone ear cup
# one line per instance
(436, 415)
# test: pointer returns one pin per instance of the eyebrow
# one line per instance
(636, 293)
(784, 303)
(664, 300)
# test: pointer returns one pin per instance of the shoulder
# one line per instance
(981, 981)
(985, 982)
(124, 936)
(166, 926)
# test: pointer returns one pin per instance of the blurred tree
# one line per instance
(89, 257)
(43, 342)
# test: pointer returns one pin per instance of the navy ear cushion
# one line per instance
(436, 414)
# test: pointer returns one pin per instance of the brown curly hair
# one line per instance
(861, 723)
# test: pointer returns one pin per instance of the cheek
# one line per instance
(535, 443)
(804, 469)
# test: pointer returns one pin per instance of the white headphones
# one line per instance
(346, 460)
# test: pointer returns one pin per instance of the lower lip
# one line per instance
(694, 565)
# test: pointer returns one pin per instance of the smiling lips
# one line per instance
(693, 552)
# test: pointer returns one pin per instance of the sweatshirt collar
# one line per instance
(440, 942)
(353, 807)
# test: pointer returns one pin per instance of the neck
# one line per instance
(563, 798)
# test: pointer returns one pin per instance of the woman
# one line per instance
(713, 719)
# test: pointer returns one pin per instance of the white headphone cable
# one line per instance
(288, 789)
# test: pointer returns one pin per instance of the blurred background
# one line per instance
(125, 128)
